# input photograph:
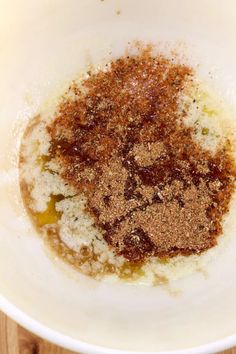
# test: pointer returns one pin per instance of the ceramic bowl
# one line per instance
(43, 45)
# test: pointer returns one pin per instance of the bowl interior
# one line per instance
(49, 43)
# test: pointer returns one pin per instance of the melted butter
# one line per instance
(209, 111)
(131, 271)
(42, 161)
(164, 260)
(201, 96)
(207, 108)
(50, 215)
(160, 280)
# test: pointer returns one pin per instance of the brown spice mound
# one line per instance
(150, 187)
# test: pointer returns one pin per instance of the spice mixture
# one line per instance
(151, 189)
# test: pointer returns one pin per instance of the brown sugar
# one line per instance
(147, 154)
(150, 187)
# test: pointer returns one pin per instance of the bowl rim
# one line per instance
(75, 345)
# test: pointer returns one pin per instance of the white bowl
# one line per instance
(43, 44)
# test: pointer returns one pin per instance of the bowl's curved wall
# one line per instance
(43, 44)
